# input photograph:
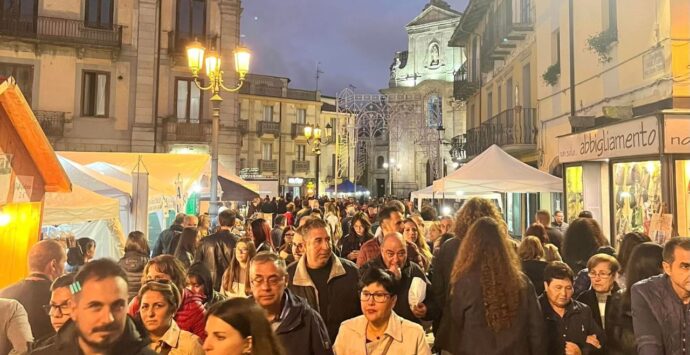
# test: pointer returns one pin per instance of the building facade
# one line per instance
(417, 150)
(93, 69)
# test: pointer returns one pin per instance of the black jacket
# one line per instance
(302, 331)
(534, 269)
(620, 337)
(343, 291)
(66, 342)
(442, 265)
(589, 298)
(524, 337)
(350, 243)
(133, 263)
(164, 243)
(575, 326)
(402, 306)
(216, 252)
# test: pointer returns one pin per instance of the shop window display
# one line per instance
(636, 196)
(683, 196)
(573, 190)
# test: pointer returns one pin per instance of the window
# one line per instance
(19, 15)
(22, 74)
(243, 163)
(490, 105)
(509, 93)
(267, 151)
(99, 13)
(472, 116)
(499, 92)
(95, 94)
(609, 16)
(301, 116)
(268, 113)
(191, 22)
(526, 86)
(187, 100)
(556, 46)
(239, 110)
(379, 162)
(301, 152)
(434, 111)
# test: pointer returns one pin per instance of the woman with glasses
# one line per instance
(235, 281)
(239, 326)
(159, 302)
(190, 315)
(413, 234)
(379, 330)
(602, 272)
(286, 241)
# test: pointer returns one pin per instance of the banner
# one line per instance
(677, 134)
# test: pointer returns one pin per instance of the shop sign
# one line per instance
(633, 138)
(5, 177)
(295, 181)
(677, 135)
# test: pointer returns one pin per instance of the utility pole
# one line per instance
(571, 45)
(318, 75)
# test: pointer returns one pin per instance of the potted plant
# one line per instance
(553, 72)
(601, 44)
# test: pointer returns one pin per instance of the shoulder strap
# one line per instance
(165, 349)
(388, 345)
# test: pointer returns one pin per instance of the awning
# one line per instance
(80, 205)
(347, 187)
(233, 191)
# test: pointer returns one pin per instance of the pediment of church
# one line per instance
(434, 13)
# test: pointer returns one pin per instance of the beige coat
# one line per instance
(408, 337)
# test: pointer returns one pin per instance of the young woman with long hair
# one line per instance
(493, 305)
(413, 234)
(239, 326)
(186, 248)
(236, 281)
(260, 232)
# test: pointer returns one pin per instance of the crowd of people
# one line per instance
(338, 276)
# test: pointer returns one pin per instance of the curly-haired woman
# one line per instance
(493, 305)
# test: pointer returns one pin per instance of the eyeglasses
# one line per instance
(62, 309)
(271, 281)
(602, 275)
(379, 297)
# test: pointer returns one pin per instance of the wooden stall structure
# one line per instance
(28, 169)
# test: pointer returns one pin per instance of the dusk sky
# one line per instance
(354, 40)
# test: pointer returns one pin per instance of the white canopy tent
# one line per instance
(428, 193)
(497, 171)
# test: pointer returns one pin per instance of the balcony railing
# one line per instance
(265, 127)
(268, 166)
(181, 131)
(61, 30)
(508, 24)
(516, 126)
(458, 147)
(298, 130)
(243, 125)
(300, 166)
(271, 89)
(305, 95)
(52, 122)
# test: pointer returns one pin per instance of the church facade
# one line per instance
(418, 145)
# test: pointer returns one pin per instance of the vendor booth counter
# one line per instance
(629, 174)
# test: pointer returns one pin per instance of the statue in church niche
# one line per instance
(434, 55)
(395, 66)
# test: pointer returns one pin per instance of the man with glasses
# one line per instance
(603, 269)
(393, 258)
(327, 282)
(298, 326)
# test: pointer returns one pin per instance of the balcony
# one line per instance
(243, 125)
(300, 166)
(508, 25)
(458, 147)
(514, 130)
(61, 31)
(463, 87)
(298, 130)
(265, 127)
(187, 132)
(52, 122)
(268, 166)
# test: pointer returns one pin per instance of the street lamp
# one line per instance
(212, 60)
(390, 166)
(313, 136)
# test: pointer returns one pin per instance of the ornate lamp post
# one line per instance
(390, 166)
(313, 136)
(196, 60)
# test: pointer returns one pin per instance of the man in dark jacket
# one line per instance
(570, 327)
(327, 282)
(162, 245)
(394, 259)
(100, 283)
(298, 326)
(555, 235)
(46, 263)
(660, 304)
(216, 250)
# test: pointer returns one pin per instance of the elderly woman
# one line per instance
(380, 330)
(159, 301)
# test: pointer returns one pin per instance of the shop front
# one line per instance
(629, 174)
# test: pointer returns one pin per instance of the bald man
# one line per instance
(46, 263)
(393, 258)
